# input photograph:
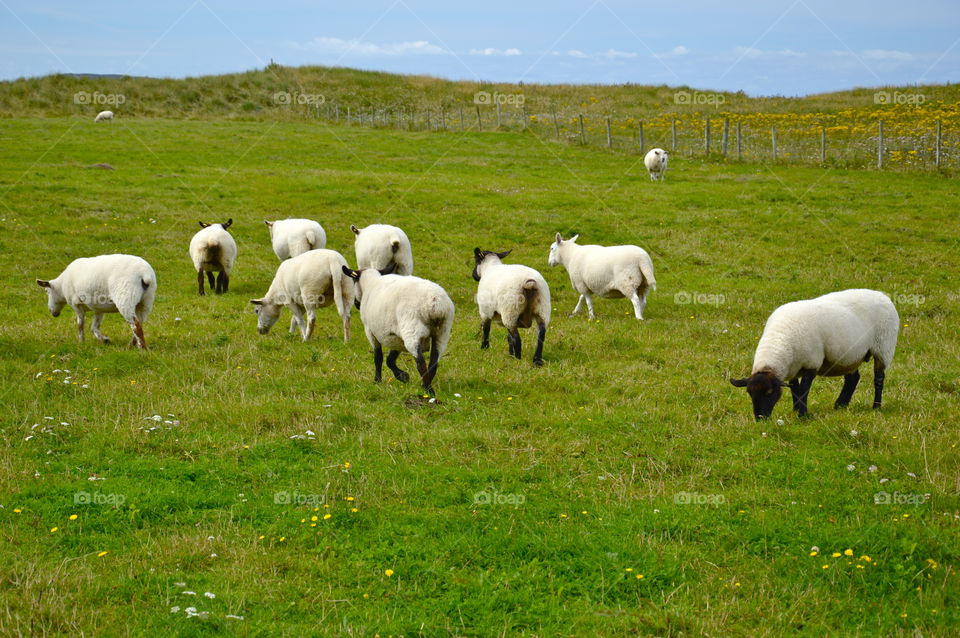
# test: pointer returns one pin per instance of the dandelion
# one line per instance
(327, 516)
(354, 509)
(350, 498)
(629, 569)
(848, 552)
(101, 554)
(17, 510)
(826, 567)
(835, 555)
(639, 576)
(866, 558)
(313, 518)
(53, 529)
(814, 553)
(388, 572)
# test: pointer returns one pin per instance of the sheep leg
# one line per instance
(850, 382)
(294, 324)
(589, 300)
(200, 282)
(226, 280)
(485, 329)
(138, 337)
(513, 339)
(541, 337)
(298, 317)
(346, 326)
(213, 282)
(398, 374)
(311, 323)
(432, 367)
(80, 317)
(223, 282)
(377, 362)
(423, 369)
(579, 305)
(878, 377)
(795, 392)
(97, 318)
(639, 303)
(804, 391)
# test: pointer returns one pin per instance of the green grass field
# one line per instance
(109, 516)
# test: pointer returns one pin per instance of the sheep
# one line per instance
(303, 284)
(656, 163)
(292, 237)
(212, 250)
(827, 336)
(402, 312)
(610, 272)
(107, 283)
(379, 245)
(514, 296)
(103, 116)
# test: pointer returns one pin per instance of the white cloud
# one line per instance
(748, 52)
(574, 53)
(513, 52)
(491, 51)
(884, 54)
(680, 50)
(358, 47)
(613, 53)
(790, 53)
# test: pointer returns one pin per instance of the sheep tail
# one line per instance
(311, 239)
(146, 282)
(394, 244)
(646, 269)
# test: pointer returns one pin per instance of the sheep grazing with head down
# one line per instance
(212, 250)
(103, 116)
(515, 296)
(611, 272)
(304, 283)
(403, 313)
(292, 237)
(828, 336)
(379, 245)
(108, 283)
(656, 163)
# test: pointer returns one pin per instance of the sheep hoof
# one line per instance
(401, 376)
(538, 363)
(485, 345)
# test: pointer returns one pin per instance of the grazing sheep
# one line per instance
(514, 296)
(213, 250)
(610, 272)
(656, 163)
(379, 245)
(292, 237)
(304, 283)
(108, 283)
(403, 313)
(828, 336)
(103, 116)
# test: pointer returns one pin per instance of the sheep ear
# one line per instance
(270, 224)
(504, 253)
(356, 231)
(352, 274)
(739, 383)
(228, 224)
(389, 270)
(203, 225)
(43, 283)
(257, 302)
(478, 253)
(575, 238)
(559, 238)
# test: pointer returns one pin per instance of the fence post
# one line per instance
(583, 138)
(609, 138)
(823, 145)
(726, 136)
(479, 119)
(739, 143)
(937, 154)
(498, 114)
(879, 143)
(773, 141)
(673, 136)
(706, 137)
(642, 145)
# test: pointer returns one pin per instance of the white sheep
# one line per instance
(610, 272)
(108, 283)
(403, 313)
(656, 163)
(212, 250)
(103, 116)
(828, 336)
(513, 295)
(304, 283)
(292, 237)
(379, 245)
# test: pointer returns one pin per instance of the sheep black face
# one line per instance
(480, 255)
(764, 389)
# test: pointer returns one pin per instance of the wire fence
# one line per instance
(849, 139)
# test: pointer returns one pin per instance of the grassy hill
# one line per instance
(252, 95)
(622, 489)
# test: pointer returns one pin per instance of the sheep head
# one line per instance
(764, 388)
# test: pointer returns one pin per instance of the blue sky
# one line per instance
(772, 47)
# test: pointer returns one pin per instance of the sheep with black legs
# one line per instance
(379, 245)
(516, 296)
(304, 283)
(828, 336)
(212, 250)
(656, 163)
(611, 272)
(292, 237)
(107, 283)
(403, 313)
